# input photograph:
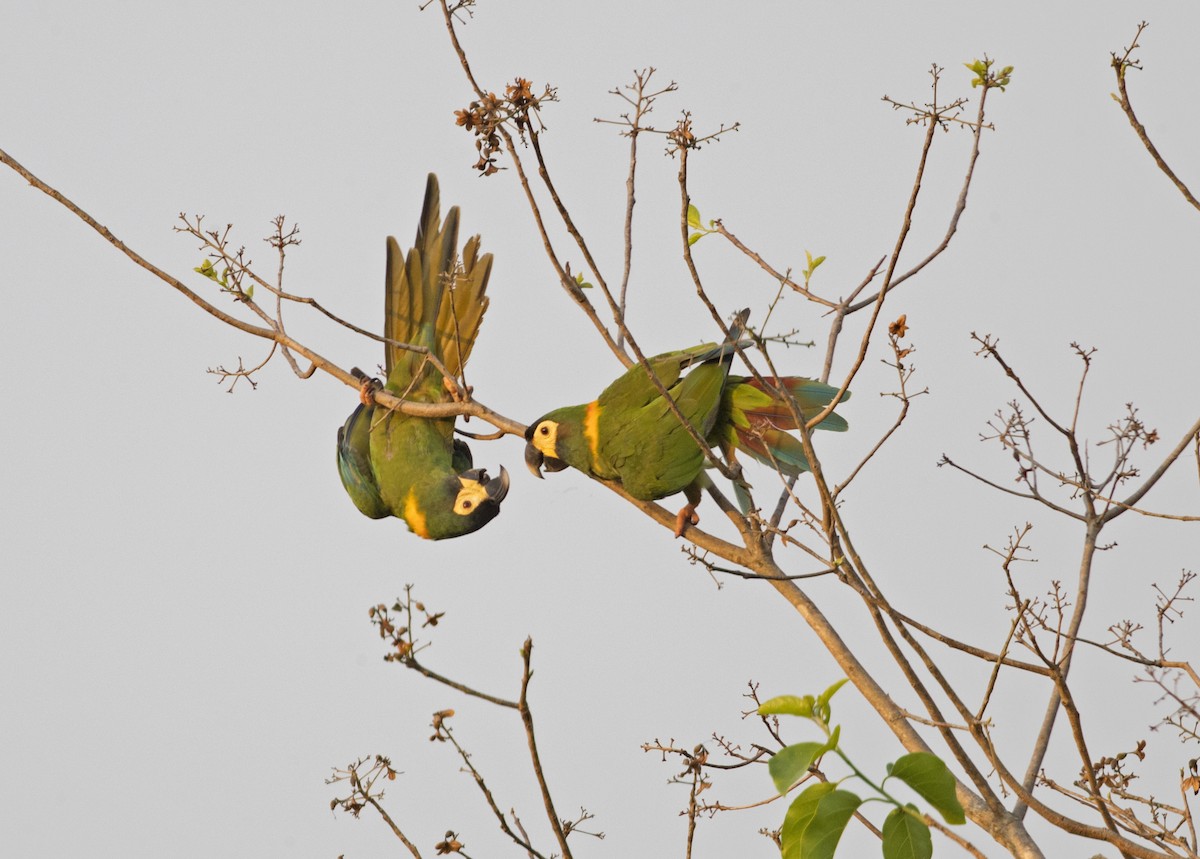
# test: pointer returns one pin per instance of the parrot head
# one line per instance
(556, 441)
(456, 505)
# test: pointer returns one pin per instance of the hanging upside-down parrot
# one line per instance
(629, 433)
(393, 464)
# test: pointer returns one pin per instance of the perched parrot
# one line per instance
(629, 434)
(413, 468)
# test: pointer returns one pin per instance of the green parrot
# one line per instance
(393, 464)
(629, 434)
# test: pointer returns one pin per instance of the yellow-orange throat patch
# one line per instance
(413, 515)
(591, 429)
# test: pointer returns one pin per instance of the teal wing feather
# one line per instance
(354, 464)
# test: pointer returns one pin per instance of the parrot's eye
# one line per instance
(544, 430)
(466, 505)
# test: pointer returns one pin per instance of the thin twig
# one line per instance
(387, 818)
(535, 759)
(1120, 66)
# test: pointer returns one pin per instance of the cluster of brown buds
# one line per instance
(1110, 771)
(485, 116)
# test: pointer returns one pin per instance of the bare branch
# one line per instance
(1121, 66)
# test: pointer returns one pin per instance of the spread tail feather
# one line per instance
(759, 420)
(415, 307)
(755, 401)
(773, 448)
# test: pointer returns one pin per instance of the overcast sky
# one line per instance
(184, 642)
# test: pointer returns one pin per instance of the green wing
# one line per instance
(641, 438)
(354, 464)
(633, 389)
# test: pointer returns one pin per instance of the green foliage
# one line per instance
(583, 284)
(815, 822)
(813, 262)
(817, 817)
(695, 224)
(788, 705)
(207, 269)
(789, 764)
(985, 77)
(931, 779)
(905, 835)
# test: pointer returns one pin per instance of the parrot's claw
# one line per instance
(367, 389)
(453, 389)
(686, 516)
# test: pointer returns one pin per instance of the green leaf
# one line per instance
(693, 217)
(906, 836)
(822, 706)
(249, 291)
(206, 269)
(932, 780)
(791, 763)
(815, 821)
(787, 705)
(695, 237)
(799, 815)
(812, 266)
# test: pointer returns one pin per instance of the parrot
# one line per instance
(413, 468)
(629, 434)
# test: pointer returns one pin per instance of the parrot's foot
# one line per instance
(453, 390)
(366, 390)
(686, 516)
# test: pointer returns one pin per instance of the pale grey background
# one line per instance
(184, 635)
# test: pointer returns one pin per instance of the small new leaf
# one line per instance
(822, 704)
(583, 284)
(985, 77)
(811, 266)
(693, 217)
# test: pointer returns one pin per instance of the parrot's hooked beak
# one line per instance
(536, 461)
(496, 488)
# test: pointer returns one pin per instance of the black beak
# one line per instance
(534, 460)
(496, 488)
